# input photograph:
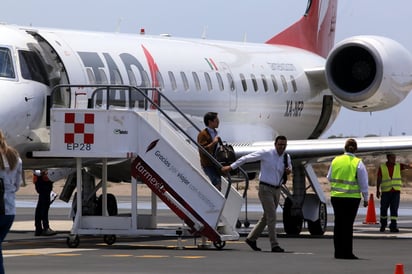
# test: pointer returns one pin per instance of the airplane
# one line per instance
(293, 84)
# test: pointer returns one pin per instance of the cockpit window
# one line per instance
(6, 64)
(32, 68)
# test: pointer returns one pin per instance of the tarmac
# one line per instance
(380, 252)
(61, 222)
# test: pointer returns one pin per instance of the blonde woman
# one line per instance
(10, 179)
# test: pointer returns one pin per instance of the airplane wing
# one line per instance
(320, 150)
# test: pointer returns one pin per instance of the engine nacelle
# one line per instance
(369, 73)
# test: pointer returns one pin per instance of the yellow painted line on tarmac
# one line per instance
(119, 255)
(66, 255)
(153, 256)
(190, 257)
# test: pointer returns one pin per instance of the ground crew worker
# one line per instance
(349, 181)
(388, 186)
(43, 187)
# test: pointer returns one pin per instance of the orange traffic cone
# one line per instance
(399, 269)
(370, 215)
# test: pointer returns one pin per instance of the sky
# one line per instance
(232, 20)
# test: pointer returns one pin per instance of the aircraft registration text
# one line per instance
(294, 108)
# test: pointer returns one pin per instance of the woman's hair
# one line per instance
(9, 153)
(351, 146)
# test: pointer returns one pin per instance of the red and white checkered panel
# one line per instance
(79, 128)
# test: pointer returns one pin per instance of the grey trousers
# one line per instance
(269, 197)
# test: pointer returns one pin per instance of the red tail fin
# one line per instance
(315, 31)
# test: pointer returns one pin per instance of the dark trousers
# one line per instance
(41, 217)
(5, 224)
(390, 200)
(345, 210)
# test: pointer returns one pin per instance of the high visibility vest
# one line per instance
(343, 178)
(387, 182)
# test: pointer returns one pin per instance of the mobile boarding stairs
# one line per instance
(112, 127)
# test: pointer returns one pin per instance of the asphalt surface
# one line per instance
(23, 252)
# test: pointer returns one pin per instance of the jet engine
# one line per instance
(369, 73)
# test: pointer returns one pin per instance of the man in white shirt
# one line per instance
(272, 169)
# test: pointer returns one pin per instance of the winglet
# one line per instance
(315, 31)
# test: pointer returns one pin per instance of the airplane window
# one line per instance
(292, 79)
(275, 83)
(230, 81)
(32, 67)
(265, 83)
(254, 82)
(172, 80)
(284, 83)
(208, 81)
(220, 81)
(196, 79)
(6, 64)
(244, 83)
(185, 81)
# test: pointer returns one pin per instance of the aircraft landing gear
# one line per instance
(292, 219)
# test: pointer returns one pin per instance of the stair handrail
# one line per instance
(142, 91)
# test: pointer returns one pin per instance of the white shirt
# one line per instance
(271, 165)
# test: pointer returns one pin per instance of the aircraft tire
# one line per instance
(111, 205)
(319, 226)
(109, 239)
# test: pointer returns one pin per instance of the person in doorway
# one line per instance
(44, 187)
(349, 182)
(388, 188)
(208, 138)
(10, 180)
(271, 177)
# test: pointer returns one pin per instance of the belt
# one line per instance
(269, 185)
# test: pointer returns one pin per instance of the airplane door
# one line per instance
(231, 84)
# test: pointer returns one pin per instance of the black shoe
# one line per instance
(37, 233)
(48, 232)
(277, 249)
(382, 229)
(252, 245)
(394, 229)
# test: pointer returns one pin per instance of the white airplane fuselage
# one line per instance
(287, 110)
(258, 90)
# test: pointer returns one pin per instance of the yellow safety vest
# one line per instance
(387, 182)
(344, 182)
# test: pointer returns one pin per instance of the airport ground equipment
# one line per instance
(117, 123)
